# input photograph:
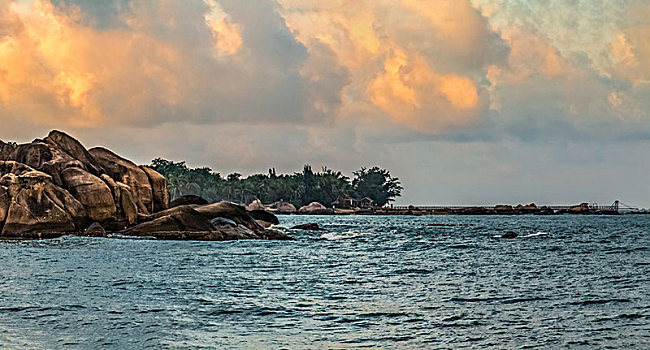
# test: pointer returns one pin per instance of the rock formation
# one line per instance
(308, 227)
(315, 208)
(54, 186)
(187, 200)
(283, 208)
(255, 205)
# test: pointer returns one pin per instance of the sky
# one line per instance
(466, 101)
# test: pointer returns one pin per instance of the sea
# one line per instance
(378, 282)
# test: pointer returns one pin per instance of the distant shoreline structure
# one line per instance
(617, 208)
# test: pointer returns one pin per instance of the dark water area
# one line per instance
(373, 282)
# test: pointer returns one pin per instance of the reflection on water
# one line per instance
(578, 282)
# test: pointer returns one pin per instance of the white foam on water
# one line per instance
(539, 233)
(333, 236)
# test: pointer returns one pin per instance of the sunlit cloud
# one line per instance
(310, 80)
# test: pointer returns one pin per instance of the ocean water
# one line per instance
(368, 282)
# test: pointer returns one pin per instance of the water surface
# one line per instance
(375, 282)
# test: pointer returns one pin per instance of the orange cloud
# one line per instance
(414, 95)
(414, 82)
(226, 33)
(57, 71)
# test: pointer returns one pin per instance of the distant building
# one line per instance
(347, 202)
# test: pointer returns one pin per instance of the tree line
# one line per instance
(300, 188)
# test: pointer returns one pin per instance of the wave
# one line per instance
(333, 236)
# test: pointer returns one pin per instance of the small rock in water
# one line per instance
(510, 234)
(95, 230)
(311, 227)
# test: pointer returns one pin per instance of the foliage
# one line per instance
(376, 184)
(300, 189)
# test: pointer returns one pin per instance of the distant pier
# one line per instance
(615, 208)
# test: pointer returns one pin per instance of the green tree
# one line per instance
(299, 188)
(376, 184)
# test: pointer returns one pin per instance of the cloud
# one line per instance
(155, 62)
(417, 86)
(420, 64)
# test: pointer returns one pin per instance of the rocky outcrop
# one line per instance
(582, 208)
(54, 186)
(158, 188)
(5, 150)
(315, 208)
(255, 205)
(283, 208)
(75, 149)
(126, 209)
(264, 215)
(91, 191)
(126, 172)
(308, 227)
(218, 221)
(38, 208)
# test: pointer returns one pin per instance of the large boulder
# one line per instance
(221, 221)
(188, 199)
(231, 211)
(315, 208)
(283, 208)
(40, 209)
(308, 227)
(504, 209)
(75, 149)
(46, 156)
(126, 209)
(263, 215)
(91, 191)
(5, 150)
(255, 205)
(582, 208)
(159, 188)
(125, 171)
(180, 219)
(13, 167)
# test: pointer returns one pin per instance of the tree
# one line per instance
(376, 184)
(299, 188)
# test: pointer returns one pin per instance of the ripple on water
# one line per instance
(375, 282)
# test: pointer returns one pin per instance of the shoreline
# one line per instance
(502, 210)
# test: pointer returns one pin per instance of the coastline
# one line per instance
(531, 209)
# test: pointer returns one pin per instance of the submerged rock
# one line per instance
(95, 230)
(308, 227)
